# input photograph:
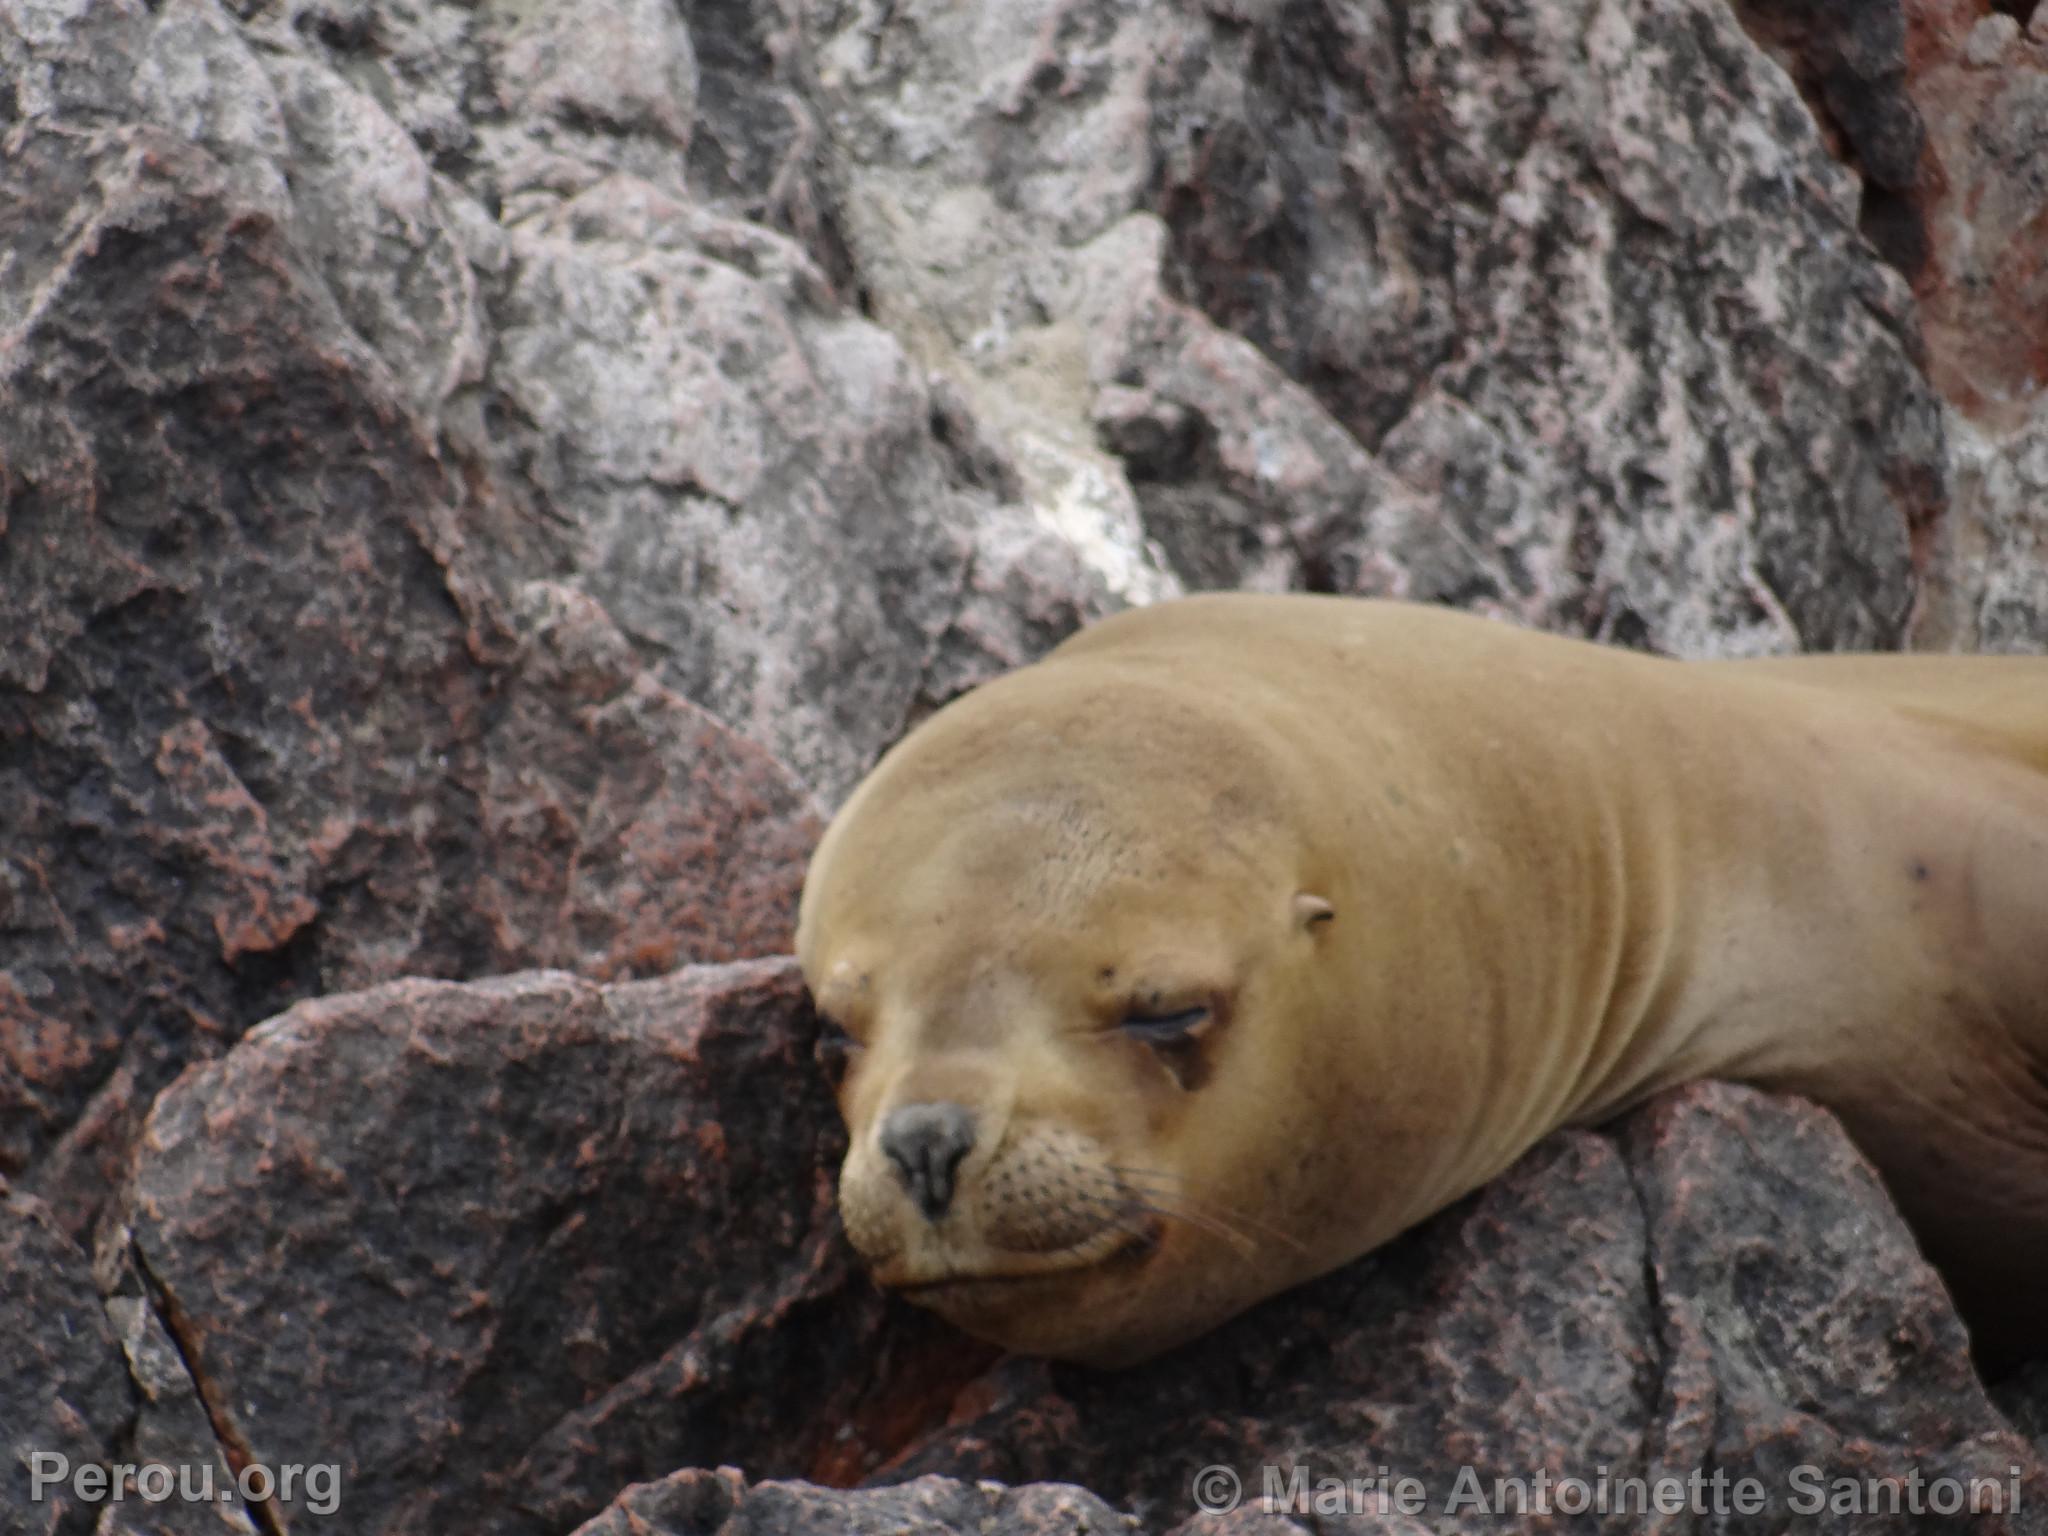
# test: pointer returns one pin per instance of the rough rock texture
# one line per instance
(1988, 589)
(264, 729)
(1550, 357)
(2024, 1397)
(476, 478)
(675, 402)
(537, 1238)
(1849, 61)
(63, 1390)
(689, 1503)
(1980, 83)
(172, 1429)
(1943, 107)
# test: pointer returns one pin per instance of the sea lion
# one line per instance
(1242, 932)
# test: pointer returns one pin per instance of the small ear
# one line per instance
(1310, 909)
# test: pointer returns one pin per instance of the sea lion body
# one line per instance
(1431, 887)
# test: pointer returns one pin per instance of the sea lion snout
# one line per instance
(939, 1193)
(925, 1143)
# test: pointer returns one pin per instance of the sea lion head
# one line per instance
(1064, 931)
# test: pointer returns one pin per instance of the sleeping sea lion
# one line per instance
(1243, 932)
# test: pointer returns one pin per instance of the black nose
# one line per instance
(926, 1143)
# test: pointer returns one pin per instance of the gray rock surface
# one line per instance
(1583, 284)
(689, 1502)
(270, 722)
(495, 1250)
(2024, 1397)
(63, 1390)
(1980, 85)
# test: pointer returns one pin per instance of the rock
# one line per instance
(2024, 1397)
(689, 1502)
(695, 424)
(1982, 90)
(65, 1400)
(267, 725)
(1987, 587)
(497, 1249)
(1544, 363)
(171, 1430)
(792, 545)
(1848, 60)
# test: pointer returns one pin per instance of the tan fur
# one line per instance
(1560, 877)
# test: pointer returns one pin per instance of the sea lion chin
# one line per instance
(1242, 933)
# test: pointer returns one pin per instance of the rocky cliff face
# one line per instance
(478, 481)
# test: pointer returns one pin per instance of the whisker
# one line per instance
(1214, 1226)
(1117, 1214)
(1174, 1185)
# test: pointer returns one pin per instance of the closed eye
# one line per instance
(836, 1050)
(836, 1036)
(1164, 1028)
